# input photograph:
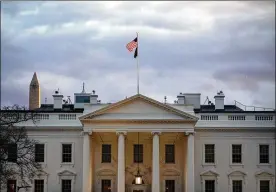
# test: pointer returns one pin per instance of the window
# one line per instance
(169, 186)
(169, 153)
(66, 153)
(264, 186)
(11, 186)
(209, 185)
(66, 185)
(106, 185)
(209, 153)
(236, 153)
(264, 153)
(106, 153)
(12, 152)
(237, 185)
(82, 99)
(39, 186)
(39, 153)
(138, 153)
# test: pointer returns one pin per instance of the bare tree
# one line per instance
(17, 151)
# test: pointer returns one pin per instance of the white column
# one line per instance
(121, 162)
(155, 163)
(86, 184)
(190, 176)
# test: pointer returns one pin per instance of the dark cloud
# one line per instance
(233, 44)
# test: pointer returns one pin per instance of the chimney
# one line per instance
(219, 100)
(192, 99)
(181, 99)
(93, 98)
(57, 100)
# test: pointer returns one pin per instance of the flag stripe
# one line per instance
(132, 45)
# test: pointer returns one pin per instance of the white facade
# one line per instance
(144, 115)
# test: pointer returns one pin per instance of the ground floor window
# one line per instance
(170, 186)
(39, 185)
(209, 185)
(264, 186)
(237, 186)
(11, 186)
(106, 185)
(66, 185)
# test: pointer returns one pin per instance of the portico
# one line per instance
(159, 126)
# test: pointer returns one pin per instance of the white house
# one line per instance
(186, 146)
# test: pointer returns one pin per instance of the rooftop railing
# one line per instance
(251, 108)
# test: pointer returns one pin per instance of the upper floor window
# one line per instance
(39, 153)
(209, 117)
(66, 153)
(138, 153)
(106, 153)
(39, 185)
(264, 153)
(237, 153)
(209, 153)
(236, 117)
(169, 153)
(12, 152)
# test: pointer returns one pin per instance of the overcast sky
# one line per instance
(193, 47)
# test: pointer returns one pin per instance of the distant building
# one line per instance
(180, 147)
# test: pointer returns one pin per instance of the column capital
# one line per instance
(189, 133)
(121, 132)
(86, 133)
(155, 133)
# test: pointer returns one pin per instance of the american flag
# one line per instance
(132, 45)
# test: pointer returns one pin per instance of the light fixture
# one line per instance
(138, 177)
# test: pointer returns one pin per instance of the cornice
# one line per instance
(140, 121)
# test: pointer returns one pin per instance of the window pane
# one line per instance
(209, 185)
(106, 153)
(12, 152)
(67, 153)
(264, 186)
(138, 153)
(106, 185)
(169, 154)
(237, 186)
(39, 152)
(236, 154)
(11, 186)
(210, 153)
(39, 186)
(66, 185)
(264, 153)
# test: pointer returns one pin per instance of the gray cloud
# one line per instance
(220, 43)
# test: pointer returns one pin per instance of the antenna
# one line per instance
(165, 99)
(45, 100)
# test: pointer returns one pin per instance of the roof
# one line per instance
(227, 109)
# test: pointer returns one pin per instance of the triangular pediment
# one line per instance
(139, 107)
(209, 173)
(264, 174)
(67, 173)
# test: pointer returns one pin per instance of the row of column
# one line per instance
(155, 163)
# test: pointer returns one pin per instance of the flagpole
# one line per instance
(137, 60)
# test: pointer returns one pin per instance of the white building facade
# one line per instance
(182, 147)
